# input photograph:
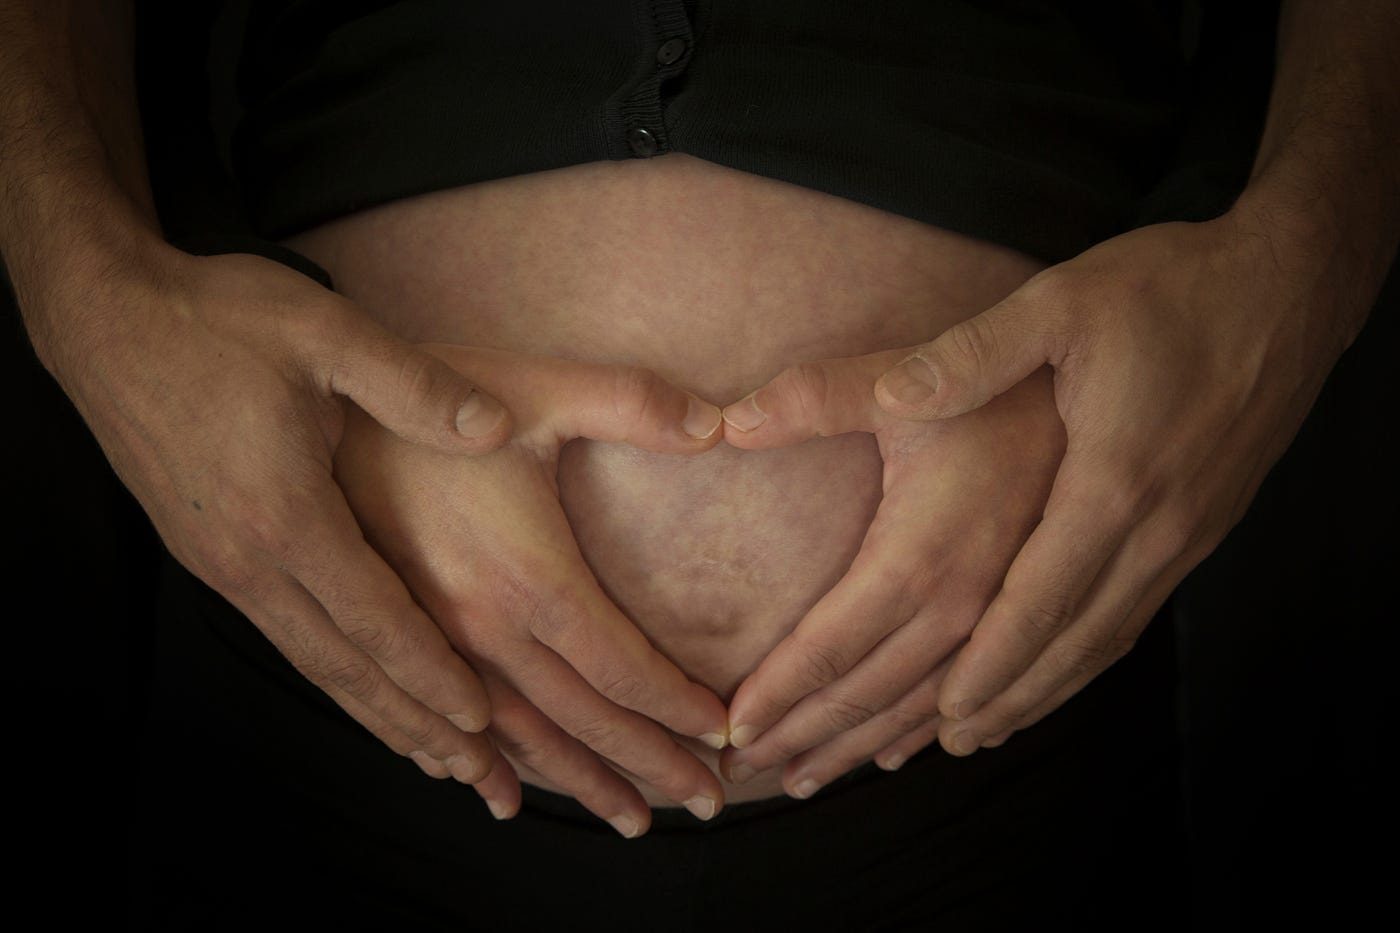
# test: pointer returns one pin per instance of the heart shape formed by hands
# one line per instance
(719, 581)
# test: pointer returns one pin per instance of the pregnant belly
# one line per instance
(717, 280)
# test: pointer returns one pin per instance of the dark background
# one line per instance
(1284, 633)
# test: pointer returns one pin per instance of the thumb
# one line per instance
(626, 405)
(811, 400)
(414, 393)
(966, 366)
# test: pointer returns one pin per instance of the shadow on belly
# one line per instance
(717, 557)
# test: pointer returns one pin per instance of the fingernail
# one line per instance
(479, 415)
(738, 774)
(701, 419)
(702, 808)
(891, 762)
(742, 736)
(806, 788)
(715, 740)
(745, 414)
(965, 708)
(499, 810)
(966, 742)
(912, 382)
(628, 827)
(462, 769)
(466, 722)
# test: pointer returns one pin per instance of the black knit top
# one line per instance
(1043, 125)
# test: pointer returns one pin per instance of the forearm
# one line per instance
(1326, 183)
(74, 197)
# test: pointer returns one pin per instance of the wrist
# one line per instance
(1328, 256)
(77, 283)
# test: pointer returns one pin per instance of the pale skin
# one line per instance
(1117, 325)
(714, 557)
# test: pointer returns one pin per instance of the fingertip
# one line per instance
(961, 709)
(744, 415)
(472, 722)
(702, 419)
(737, 772)
(500, 809)
(997, 741)
(742, 736)
(961, 742)
(629, 826)
(482, 422)
(716, 740)
(466, 769)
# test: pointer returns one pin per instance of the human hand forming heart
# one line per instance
(481, 542)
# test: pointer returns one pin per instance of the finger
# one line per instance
(1083, 526)
(894, 755)
(627, 405)
(809, 400)
(585, 628)
(300, 628)
(527, 736)
(564, 399)
(500, 790)
(1123, 602)
(411, 392)
(371, 606)
(629, 740)
(880, 682)
(876, 596)
(972, 362)
(911, 713)
(998, 740)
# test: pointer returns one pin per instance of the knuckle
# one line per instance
(637, 391)
(602, 736)
(552, 615)
(376, 638)
(844, 713)
(520, 748)
(225, 567)
(822, 663)
(1041, 613)
(905, 717)
(806, 386)
(357, 676)
(1178, 531)
(269, 531)
(625, 690)
(419, 377)
(419, 730)
(971, 339)
(1074, 658)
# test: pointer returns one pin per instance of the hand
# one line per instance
(213, 385)
(1185, 359)
(486, 548)
(861, 672)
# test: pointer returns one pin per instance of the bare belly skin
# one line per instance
(717, 280)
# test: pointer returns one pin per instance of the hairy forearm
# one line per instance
(1326, 181)
(74, 197)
